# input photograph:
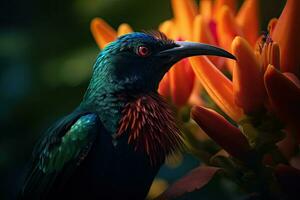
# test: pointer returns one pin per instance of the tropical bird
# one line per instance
(113, 144)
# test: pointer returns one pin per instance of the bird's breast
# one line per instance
(149, 125)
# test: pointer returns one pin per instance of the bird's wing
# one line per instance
(60, 152)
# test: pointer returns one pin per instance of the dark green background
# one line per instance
(46, 56)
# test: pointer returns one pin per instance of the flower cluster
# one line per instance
(261, 94)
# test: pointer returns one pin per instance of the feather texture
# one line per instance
(151, 127)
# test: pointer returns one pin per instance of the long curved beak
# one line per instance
(187, 49)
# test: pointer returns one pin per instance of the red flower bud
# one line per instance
(284, 96)
(230, 138)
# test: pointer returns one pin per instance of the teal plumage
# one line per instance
(112, 145)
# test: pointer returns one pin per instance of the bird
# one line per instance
(113, 143)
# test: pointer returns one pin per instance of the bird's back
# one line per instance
(112, 172)
(105, 170)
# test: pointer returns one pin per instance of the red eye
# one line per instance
(143, 51)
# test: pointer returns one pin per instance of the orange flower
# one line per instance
(231, 4)
(246, 73)
(181, 27)
(104, 33)
(205, 28)
(124, 29)
(218, 86)
(286, 33)
(188, 24)
(181, 82)
(250, 91)
(178, 83)
(244, 23)
(256, 85)
(220, 29)
(184, 14)
(252, 67)
(247, 19)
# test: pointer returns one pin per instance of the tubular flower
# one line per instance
(218, 24)
(286, 34)
(103, 33)
(222, 132)
(180, 87)
(218, 86)
(200, 25)
(244, 23)
(257, 83)
(246, 72)
(178, 83)
(284, 97)
(261, 67)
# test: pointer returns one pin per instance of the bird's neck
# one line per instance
(144, 120)
(104, 101)
(108, 98)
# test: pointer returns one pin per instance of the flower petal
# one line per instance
(102, 32)
(166, 27)
(202, 33)
(229, 137)
(270, 54)
(227, 29)
(164, 86)
(218, 86)
(292, 78)
(274, 55)
(181, 82)
(170, 28)
(246, 72)
(184, 12)
(195, 98)
(124, 29)
(247, 18)
(205, 8)
(231, 4)
(284, 97)
(272, 25)
(286, 34)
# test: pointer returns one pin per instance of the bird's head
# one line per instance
(140, 60)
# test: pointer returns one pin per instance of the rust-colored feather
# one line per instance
(151, 127)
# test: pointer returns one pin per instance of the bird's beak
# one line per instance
(187, 49)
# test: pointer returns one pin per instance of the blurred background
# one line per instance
(46, 57)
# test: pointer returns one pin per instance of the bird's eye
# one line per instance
(143, 51)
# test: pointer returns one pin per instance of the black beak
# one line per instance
(187, 49)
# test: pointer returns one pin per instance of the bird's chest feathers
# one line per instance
(148, 124)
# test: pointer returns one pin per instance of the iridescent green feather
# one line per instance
(71, 145)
